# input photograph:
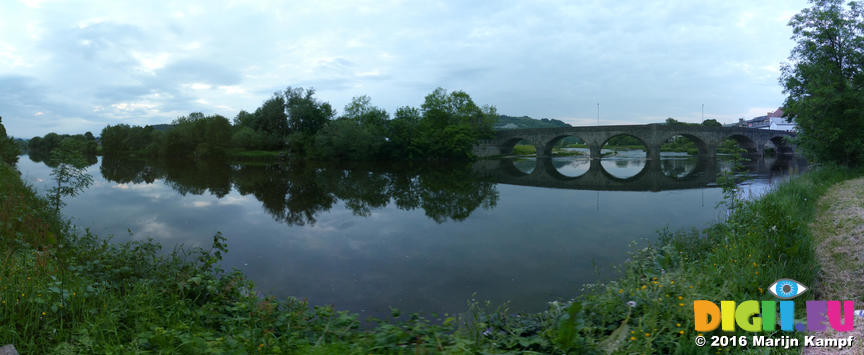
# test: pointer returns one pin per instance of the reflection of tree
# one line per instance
(454, 193)
(127, 170)
(676, 167)
(297, 191)
(85, 160)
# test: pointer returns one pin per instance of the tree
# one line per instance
(70, 173)
(270, 117)
(306, 116)
(824, 82)
(452, 123)
(305, 113)
(711, 123)
(8, 147)
(360, 134)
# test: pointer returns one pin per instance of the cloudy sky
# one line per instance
(71, 67)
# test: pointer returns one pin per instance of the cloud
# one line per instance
(105, 62)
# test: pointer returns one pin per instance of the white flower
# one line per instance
(631, 304)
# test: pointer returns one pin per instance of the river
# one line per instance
(418, 237)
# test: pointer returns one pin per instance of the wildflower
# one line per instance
(774, 228)
(681, 305)
(632, 338)
(643, 287)
(761, 290)
(678, 325)
(647, 334)
(681, 332)
(754, 264)
(43, 313)
(487, 332)
(672, 282)
(631, 304)
(621, 290)
(680, 298)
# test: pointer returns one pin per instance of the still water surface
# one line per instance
(419, 238)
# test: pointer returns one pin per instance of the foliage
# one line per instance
(8, 147)
(446, 126)
(624, 140)
(123, 139)
(733, 260)
(265, 129)
(197, 136)
(510, 122)
(70, 173)
(404, 134)
(42, 148)
(306, 114)
(360, 134)
(711, 123)
(824, 81)
(524, 149)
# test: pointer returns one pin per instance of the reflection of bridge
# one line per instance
(707, 139)
(650, 178)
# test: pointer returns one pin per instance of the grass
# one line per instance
(67, 291)
(760, 241)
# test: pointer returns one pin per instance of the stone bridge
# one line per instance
(707, 139)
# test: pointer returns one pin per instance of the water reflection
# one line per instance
(628, 174)
(421, 238)
(296, 192)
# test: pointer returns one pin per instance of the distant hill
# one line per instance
(510, 122)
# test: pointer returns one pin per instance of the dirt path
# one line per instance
(838, 232)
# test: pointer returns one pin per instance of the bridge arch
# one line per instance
(619, 134)
(781, 144)
(745, 142)
(632, 178)
(507, 146)
(513, 168)
(547, 148)
(701, 145)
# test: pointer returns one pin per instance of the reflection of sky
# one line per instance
(537, 244)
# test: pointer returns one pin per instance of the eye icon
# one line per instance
(787, 289)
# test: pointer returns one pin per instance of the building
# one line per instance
(772, 120)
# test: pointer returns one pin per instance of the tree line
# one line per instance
(445, 126)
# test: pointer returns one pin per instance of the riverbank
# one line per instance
(838, 235)
(81, 294)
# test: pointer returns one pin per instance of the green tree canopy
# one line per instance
(711, 123)
(305, 113)
(824, 81)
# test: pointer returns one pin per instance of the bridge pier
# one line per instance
(541, 151)
(595, 151)
(653, 152)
